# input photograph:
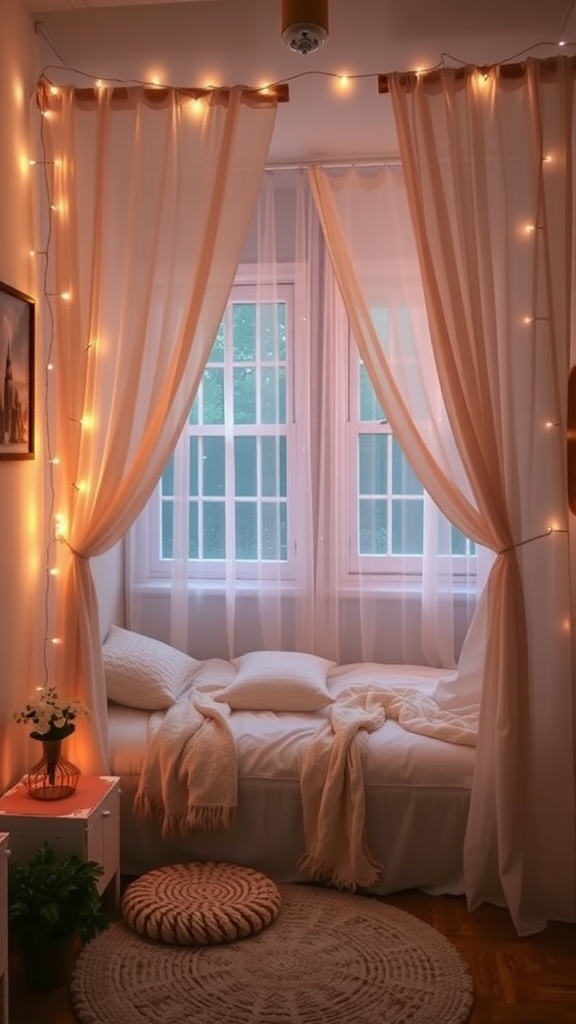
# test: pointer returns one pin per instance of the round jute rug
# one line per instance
(328, 958)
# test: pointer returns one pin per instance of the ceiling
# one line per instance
(226, 42)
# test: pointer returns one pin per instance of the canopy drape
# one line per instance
(366, 222)
(150, 198)
(488, 160)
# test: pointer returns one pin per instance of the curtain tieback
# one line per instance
(537, 536)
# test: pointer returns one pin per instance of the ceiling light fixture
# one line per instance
(304, 24)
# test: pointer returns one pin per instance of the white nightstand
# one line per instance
(86, 824)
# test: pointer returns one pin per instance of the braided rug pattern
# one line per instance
(200, 903)
(328, 958)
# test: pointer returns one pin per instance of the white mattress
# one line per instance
(417, 793)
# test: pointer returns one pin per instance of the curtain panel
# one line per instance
(150, 197)
(366, 222)
(488, 158)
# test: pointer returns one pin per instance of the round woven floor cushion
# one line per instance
(200, 903)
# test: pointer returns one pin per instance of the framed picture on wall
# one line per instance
(17, 334)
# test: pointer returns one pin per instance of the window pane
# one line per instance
(213, 530)
(167, 479)
(245, 514)
(212, 395)
(273, 331)
(245, 395)
(244, 331)
(213, 470)
(245, 467)
(404, 481)
(217, 351)
(372, 453)
(273, 466)
(370, 408)
(461, 545)
(407, 527)
(274, 531)
(167, 529)
(372, 526)
(273, 395)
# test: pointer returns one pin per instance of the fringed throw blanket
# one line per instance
(189, 777)
(332, 780)
(332, 791)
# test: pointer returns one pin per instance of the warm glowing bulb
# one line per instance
(66, 296)
(481, 79)
(196, 107)
(55, 461)
(529, 229)
(55, 640)
(99, 84)
(54, 90)
(87, 422)
(528, 320)
(343, 82)
(58, 525)
(547, 159)
(54, 571)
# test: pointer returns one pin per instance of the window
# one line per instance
(232, 462)
(388, 523)
(230, 492)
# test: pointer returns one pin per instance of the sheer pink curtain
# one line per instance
(487, 156)
(152, 196)
(366, 222)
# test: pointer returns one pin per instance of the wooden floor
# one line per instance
(516, 981)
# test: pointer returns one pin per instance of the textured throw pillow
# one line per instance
(278, 681)
(144, 673)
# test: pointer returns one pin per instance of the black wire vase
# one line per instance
(53, 777)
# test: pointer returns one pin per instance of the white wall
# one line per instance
(22, 572)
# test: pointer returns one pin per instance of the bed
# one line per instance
(416, 787)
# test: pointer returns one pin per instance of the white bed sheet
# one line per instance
(417, 792)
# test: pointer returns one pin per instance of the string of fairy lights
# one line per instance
(58, 530)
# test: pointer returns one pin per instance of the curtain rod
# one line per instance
(372, 161)
(408, 78)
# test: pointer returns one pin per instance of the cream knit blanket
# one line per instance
(332, 780)
(189, 778)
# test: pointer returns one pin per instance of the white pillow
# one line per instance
(278, 681)
(144, 673)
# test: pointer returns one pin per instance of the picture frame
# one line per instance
(17, 343)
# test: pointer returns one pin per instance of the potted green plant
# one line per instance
(53, 905)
